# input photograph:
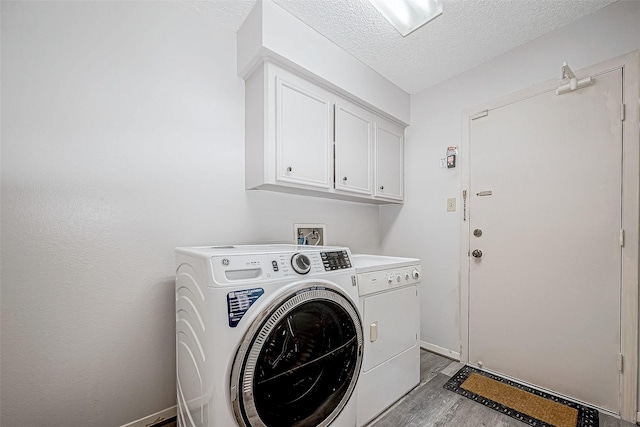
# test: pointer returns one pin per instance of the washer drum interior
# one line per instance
(298, 364)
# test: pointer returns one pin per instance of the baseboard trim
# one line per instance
(440, 350)
(156, 418)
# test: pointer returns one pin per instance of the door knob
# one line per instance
(477, 253)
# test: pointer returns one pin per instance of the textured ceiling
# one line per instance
(468, 33)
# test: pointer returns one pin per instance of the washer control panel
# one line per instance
(381, 280)
(260, 267)
(335, 260)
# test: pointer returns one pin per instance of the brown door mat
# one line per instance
(528, 405)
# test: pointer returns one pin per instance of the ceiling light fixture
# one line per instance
(408, 15)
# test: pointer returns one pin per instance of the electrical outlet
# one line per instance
(310, 234)
(451, 205)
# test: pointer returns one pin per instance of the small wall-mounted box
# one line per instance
(310, 234)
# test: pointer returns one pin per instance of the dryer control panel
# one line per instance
(382, 280)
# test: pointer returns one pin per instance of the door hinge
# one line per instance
(481, 114)
(620, 362)
(464, 204)
(334, 123)
(622, 112)
(621, 237)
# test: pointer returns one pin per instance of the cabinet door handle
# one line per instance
(289, 169)
(344, 179)
(382, 187)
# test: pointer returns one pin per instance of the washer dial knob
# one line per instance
(301, 263)
(416, 274)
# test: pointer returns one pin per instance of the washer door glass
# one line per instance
(299, 366)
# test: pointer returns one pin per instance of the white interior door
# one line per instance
(545, 191)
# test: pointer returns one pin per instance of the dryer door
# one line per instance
(298, 363)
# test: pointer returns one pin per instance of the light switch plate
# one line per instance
(451, 205)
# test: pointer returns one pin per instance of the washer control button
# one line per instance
(301, 263)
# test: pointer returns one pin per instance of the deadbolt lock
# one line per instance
(477, 253)
(477, 232)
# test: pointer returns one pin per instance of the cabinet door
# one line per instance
(389, 170)
(304, 125)
(353, 145)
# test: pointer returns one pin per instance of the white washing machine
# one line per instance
(267, 335)
(390, 308)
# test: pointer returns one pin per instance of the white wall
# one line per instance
(122, 137)
(423, 228)
(271, 32)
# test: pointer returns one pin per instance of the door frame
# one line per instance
(630, 64)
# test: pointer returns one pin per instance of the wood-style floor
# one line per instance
(431, 405)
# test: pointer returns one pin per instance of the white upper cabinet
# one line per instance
(389, 161)
(304, 133)
(353, 148)
(304, 138)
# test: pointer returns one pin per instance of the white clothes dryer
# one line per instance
(390, 309)
(267, 335)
